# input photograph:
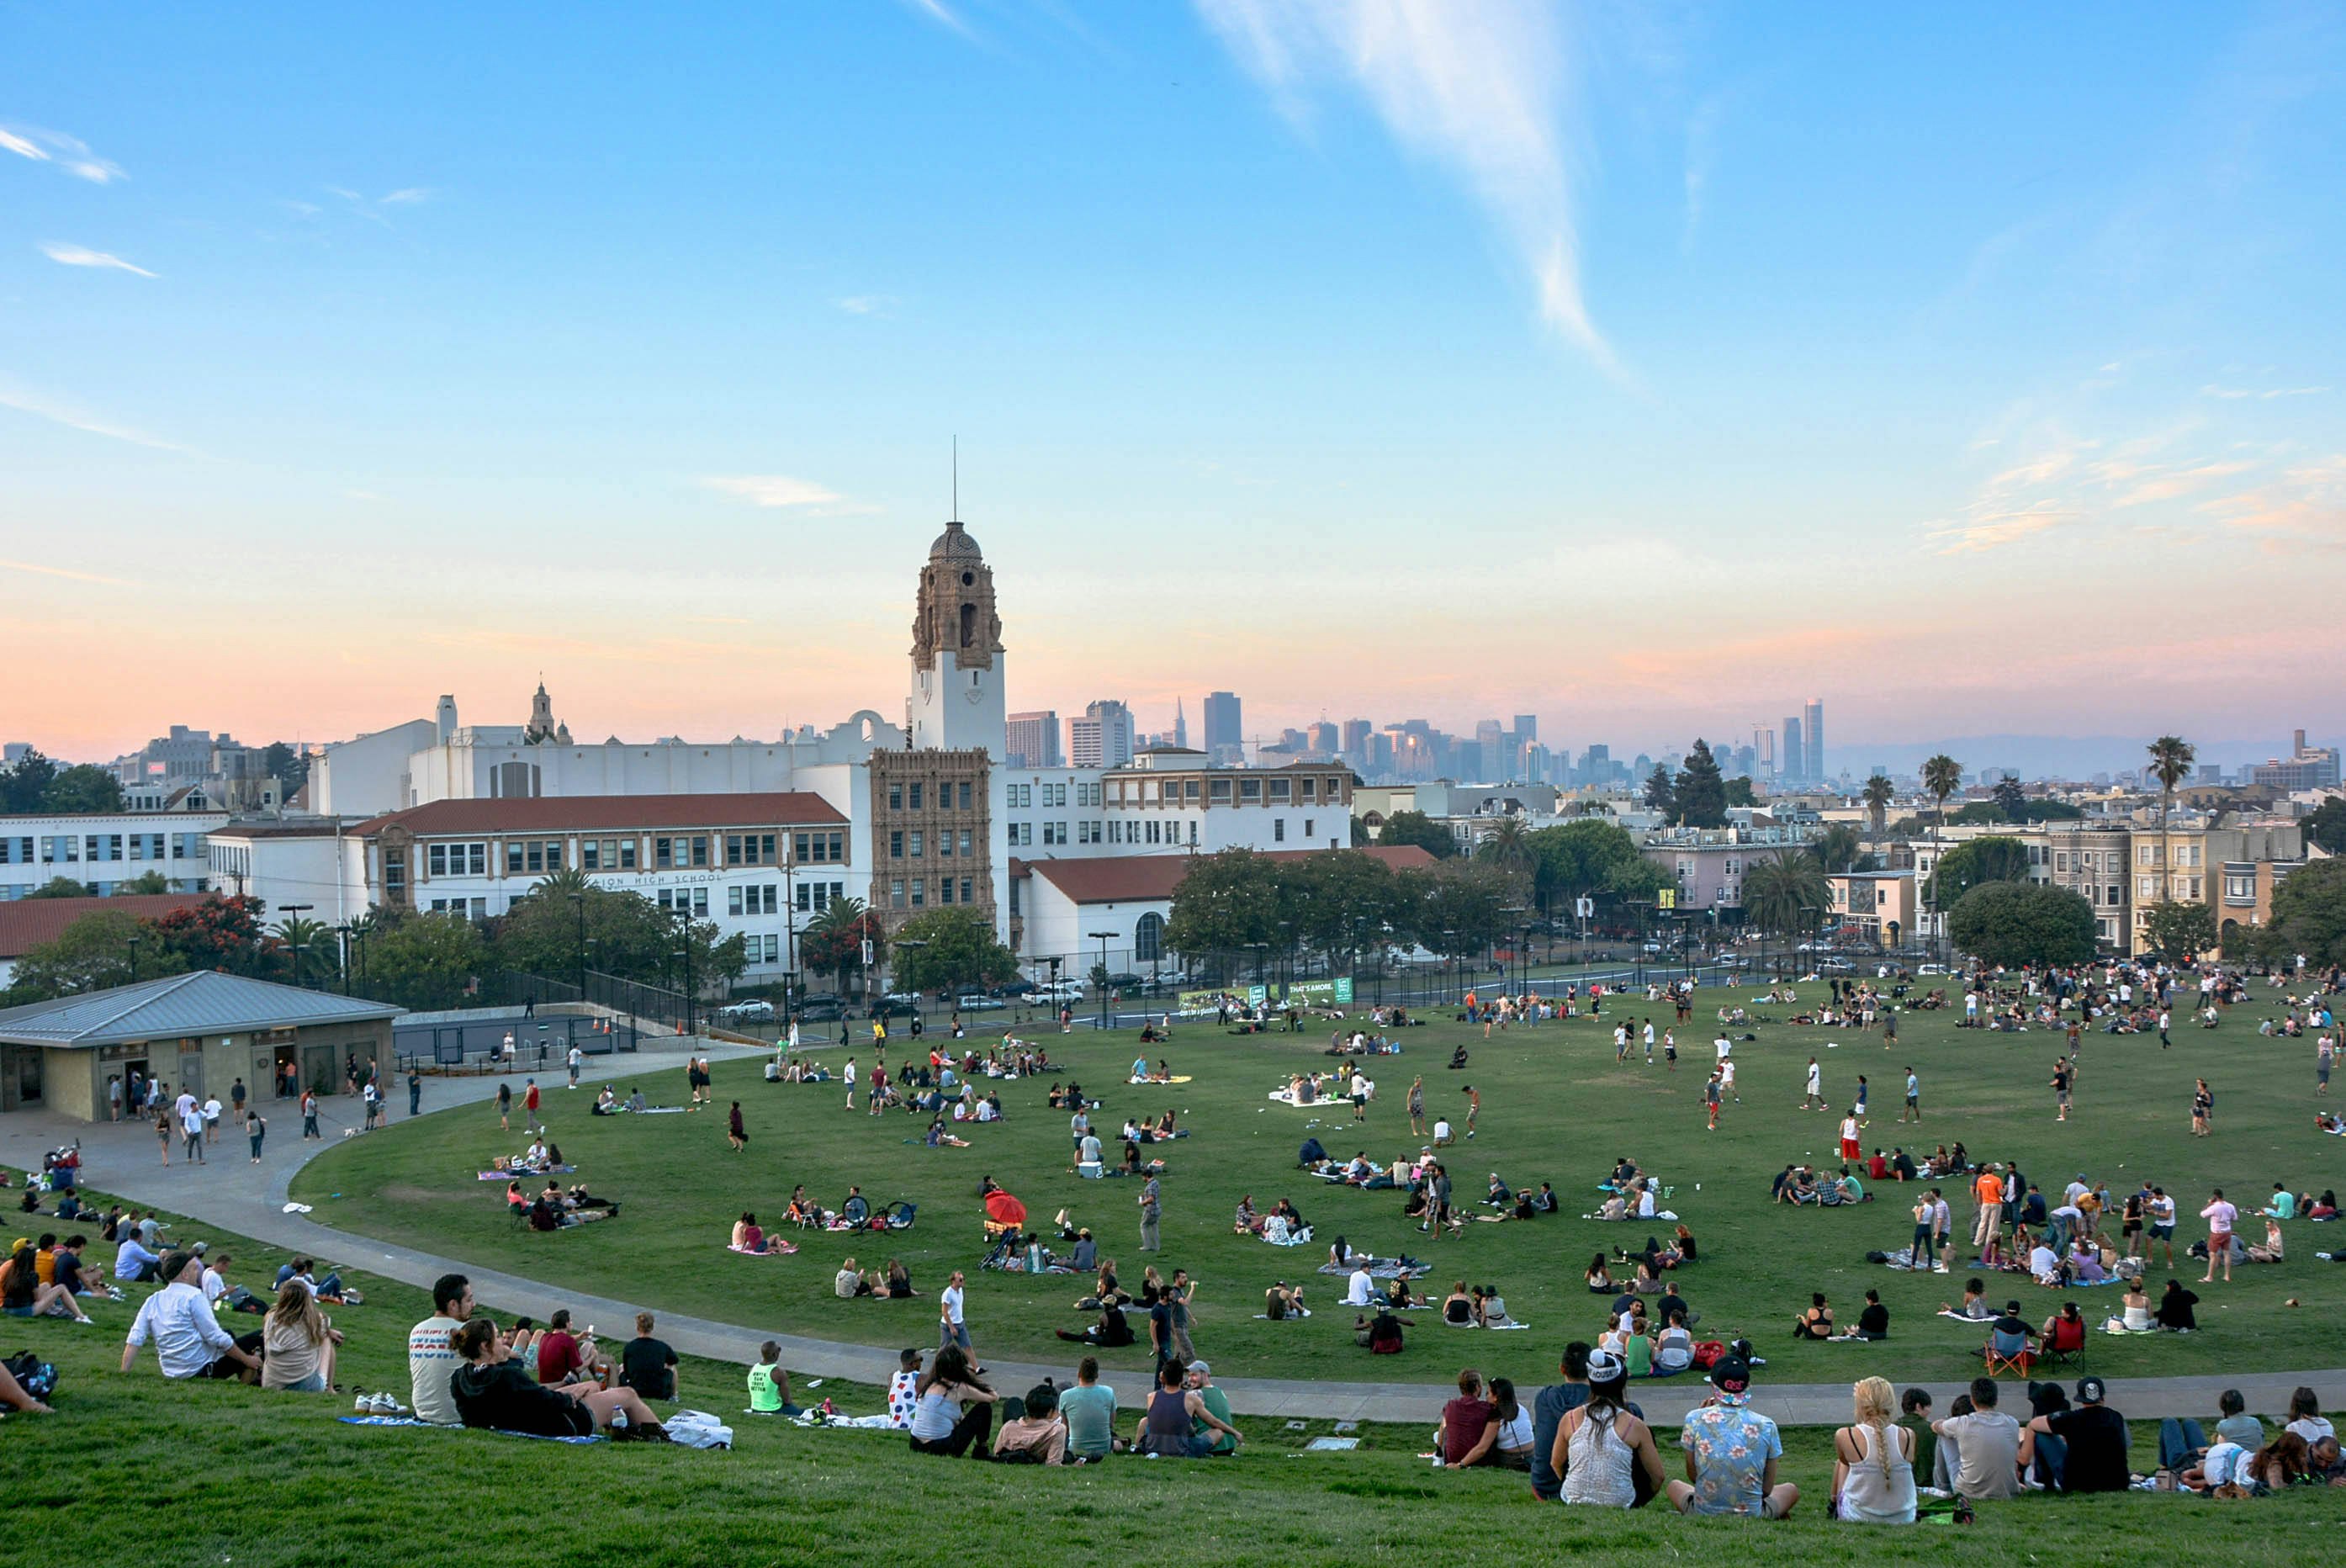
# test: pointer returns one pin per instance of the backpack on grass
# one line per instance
(37, 1377)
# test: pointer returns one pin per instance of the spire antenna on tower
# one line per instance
(956, 479)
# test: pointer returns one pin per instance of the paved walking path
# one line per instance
(229, 1191)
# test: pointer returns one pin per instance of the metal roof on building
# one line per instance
(180, 1006)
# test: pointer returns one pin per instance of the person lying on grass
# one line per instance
(492, 1390)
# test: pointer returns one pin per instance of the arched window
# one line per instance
(968, 625)
(1149, 938)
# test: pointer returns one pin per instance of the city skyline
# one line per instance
(1687, 367)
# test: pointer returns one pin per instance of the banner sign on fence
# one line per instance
(1321, 993)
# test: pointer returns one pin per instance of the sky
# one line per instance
(1648, 367)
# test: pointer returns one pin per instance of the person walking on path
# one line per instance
(163, 1135)
(255, 1129)
(529, 1104)
(414, 1093)
(577, 1057)
(1152, 1210)
(952, 1328)
(191, 1127)
(310, 1116)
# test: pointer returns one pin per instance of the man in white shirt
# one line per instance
(1360, 1290)
(576, 1057)
(952, 1329)
(1722, 1047)
(189, 1340)
(191, 1128)
(213, 1285)
(431, 1351)
(212, 1119)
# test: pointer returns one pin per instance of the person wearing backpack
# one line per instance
(26, 1382)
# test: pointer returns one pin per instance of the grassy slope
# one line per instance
(214, 1474)
(1556, 1107)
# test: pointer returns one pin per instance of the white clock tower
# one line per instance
(956, 700)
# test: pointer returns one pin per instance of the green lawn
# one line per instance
(1556, 1107)
(221, 1473)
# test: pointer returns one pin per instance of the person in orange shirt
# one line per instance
(1988, 1192)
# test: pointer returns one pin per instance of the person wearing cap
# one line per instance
(1732, 1452)
(189, 1340)
(2098, 1439)
(1218, 1406)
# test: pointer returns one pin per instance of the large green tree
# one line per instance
(625, 934)
(1231, 902)
(288, 767)
(24, 784)
(950, 950)
(2010, 799)
(307, 949)
(60, 888)
(1659, 795)
(2179, 932)
(83, 789)
(1698, 795)
(1342, 903)
(1838, 849)
(1995, 859)
(425, 961)
(2015, 924)
(2309, 914)
(1417, 827)
(2325, 825)
(1740, 791)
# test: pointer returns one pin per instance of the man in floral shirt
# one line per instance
(901, 1396)
(1731, 1453)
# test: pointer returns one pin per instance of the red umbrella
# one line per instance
(1004, 1209)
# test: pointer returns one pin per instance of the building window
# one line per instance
(916, 798)
(701, 850)
(733, 900)
(962, 790)
(912, 847)
(919, 892)
(590, 854)
(1149, 938)
(944, 890)
(395, 874)
(896, 844)
(896, 796)
(1278, 830)
(663, 853)
(964, 840)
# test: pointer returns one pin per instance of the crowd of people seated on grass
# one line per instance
(554, 1206)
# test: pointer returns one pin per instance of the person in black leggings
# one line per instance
(952, 1409)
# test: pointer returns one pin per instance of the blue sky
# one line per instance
(1646, 368)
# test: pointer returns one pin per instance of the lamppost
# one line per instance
(1641, 906)
(896, 966)
(132, 941)
(285, 918)
(1809, 928)
(1449, 948)
(684, 956)
(1103, 937)
(578, 906)
(1523, 959)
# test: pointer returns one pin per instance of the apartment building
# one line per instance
(102, 851)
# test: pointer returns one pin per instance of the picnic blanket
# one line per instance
(1176, 1078)
(1378, 1268)
(1294, 1238)
(775, 1248)
(525, 1171)
(435, 1426)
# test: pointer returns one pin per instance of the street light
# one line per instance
(1807, 928)
(1523, 959)
(578, 904)
(133, 942)
(685, 956)
(285, 917)
(896, 967)
(1103, 937)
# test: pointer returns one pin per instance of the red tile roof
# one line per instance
(1141, 879)
(26, 923)
(591, 813)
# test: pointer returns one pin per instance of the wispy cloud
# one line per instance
(70, 154)
(868, 305)
(1479, 89)
(36, 569)
(82, 256)
(1993, 531)
(2266, 394)
(370, 208)
(75, 418)
(783, 492)
(937, 11)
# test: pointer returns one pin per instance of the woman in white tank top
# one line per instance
(1873, 1468)
(1599, 1444)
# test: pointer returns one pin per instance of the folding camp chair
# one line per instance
(2003, 1357)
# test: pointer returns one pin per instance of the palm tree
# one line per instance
(1838, 849)
(307, 949)
(1780, 892)
(2171, 757)
(1942, 776)
(1879, 792)
(1508, 847)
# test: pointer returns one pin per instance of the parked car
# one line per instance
(755, 1011)
(907, 997)
(979, 1001)
(1015, 988)
(1128, 981)
(822, 1010)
